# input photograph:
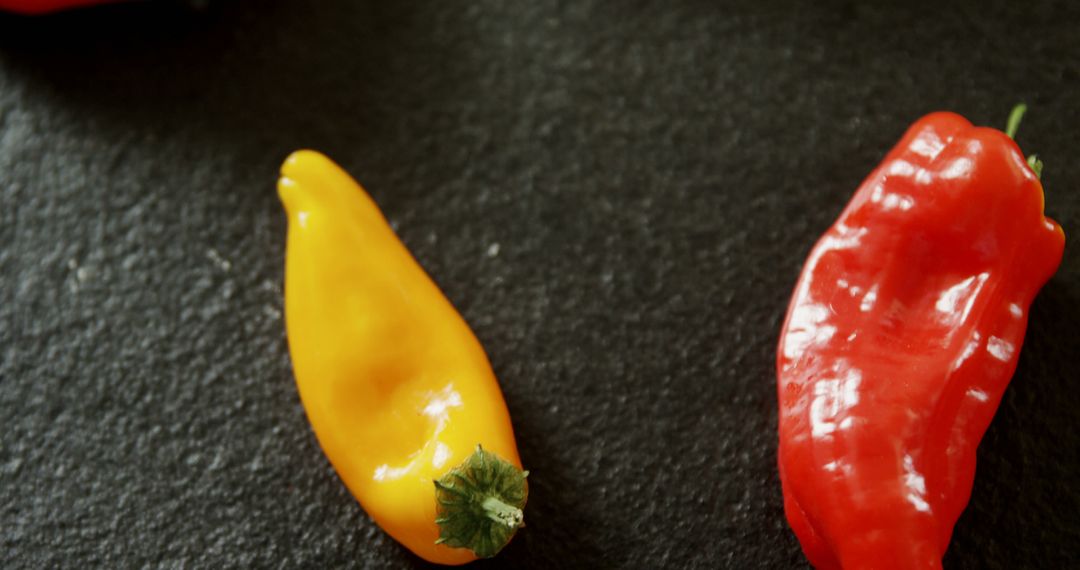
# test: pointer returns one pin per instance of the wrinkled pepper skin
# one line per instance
(902, 334)
(397, 388)
(31, 7)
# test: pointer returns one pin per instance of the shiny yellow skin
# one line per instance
(395, 384)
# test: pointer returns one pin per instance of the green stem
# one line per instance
(502, 513)
(1010, 129)
(1015, 117)
(479, 503)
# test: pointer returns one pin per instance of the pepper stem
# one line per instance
(1015, 117)
(479, 503)
(1011, 126)
(502, 513)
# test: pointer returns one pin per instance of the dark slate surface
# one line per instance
(653, 175)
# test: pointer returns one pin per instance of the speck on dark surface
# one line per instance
(618, 196)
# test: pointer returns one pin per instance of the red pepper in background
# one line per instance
(902, 334)
(45, 6)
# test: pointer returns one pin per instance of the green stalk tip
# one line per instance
(1015, 117)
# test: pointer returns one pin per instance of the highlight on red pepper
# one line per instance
(46, 6)
(902, 334)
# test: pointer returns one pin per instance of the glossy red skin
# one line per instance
(902, 334)
(45, 6)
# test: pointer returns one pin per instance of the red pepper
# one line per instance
(901, 336)
(45, 6)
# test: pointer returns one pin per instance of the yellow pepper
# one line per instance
(397, 388)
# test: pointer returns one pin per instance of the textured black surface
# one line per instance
(618, 196)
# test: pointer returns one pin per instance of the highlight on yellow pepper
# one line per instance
(395, 384)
